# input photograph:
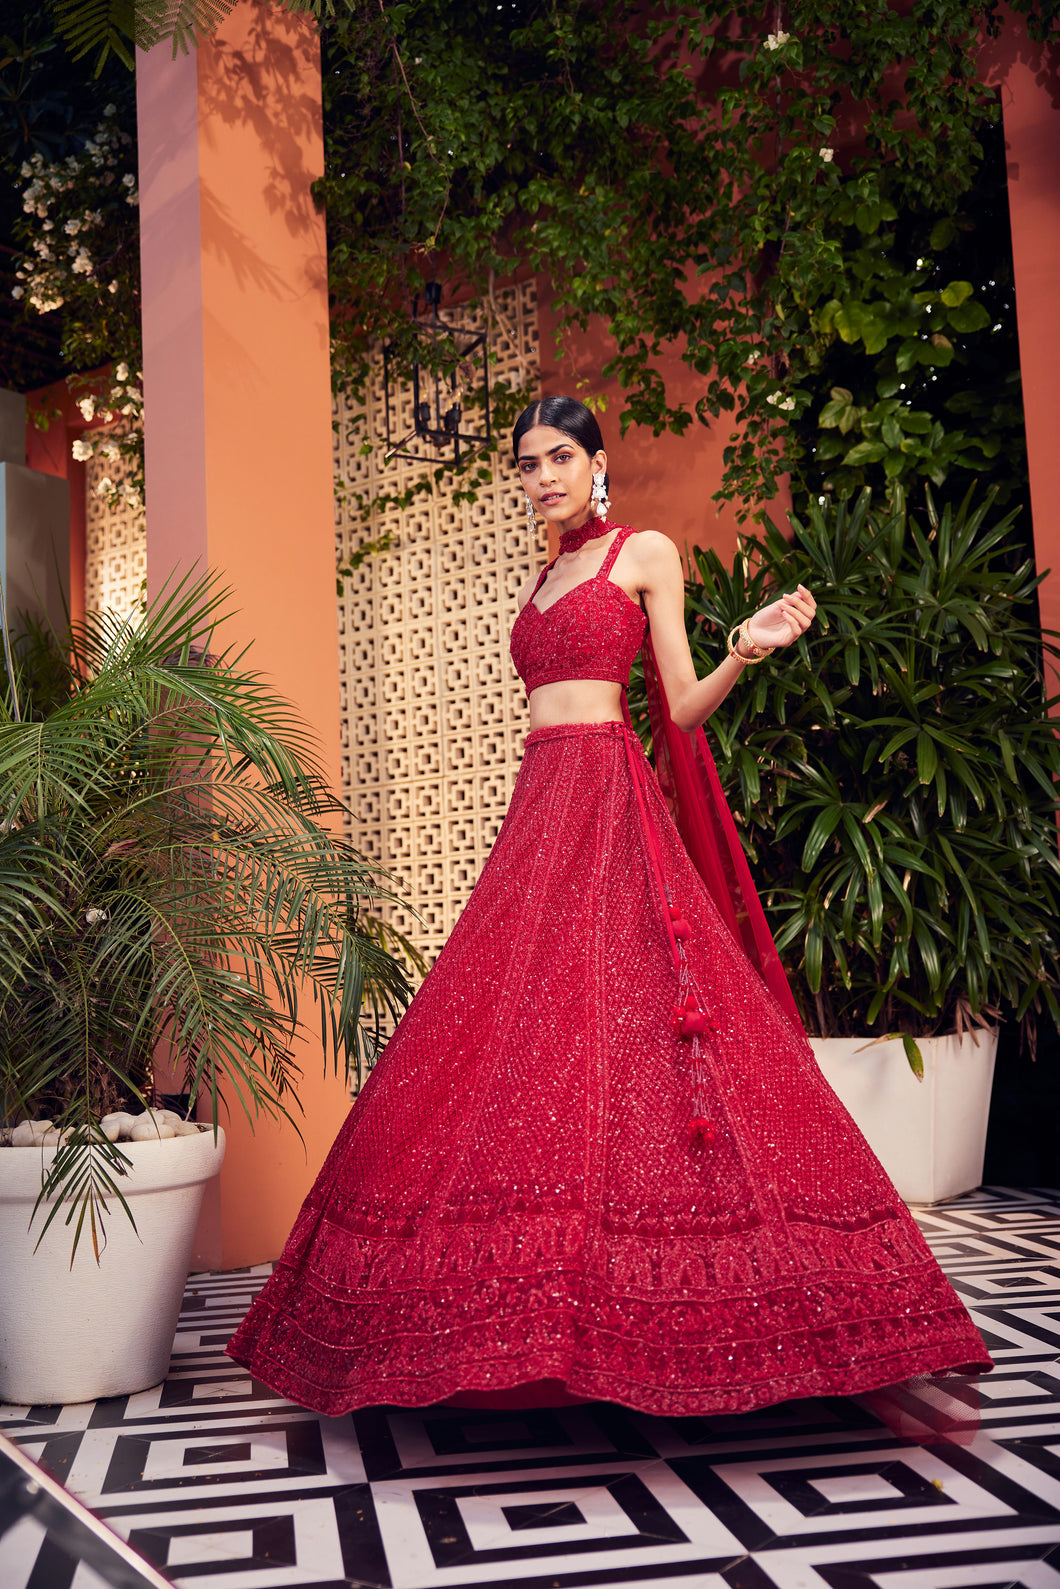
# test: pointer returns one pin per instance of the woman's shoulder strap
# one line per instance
(616, 546)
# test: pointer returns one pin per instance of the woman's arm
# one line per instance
(660, 579)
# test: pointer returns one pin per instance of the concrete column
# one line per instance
(238, 442)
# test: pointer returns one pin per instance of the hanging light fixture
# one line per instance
(437, 397)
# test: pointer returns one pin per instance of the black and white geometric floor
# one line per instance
(225, 1486)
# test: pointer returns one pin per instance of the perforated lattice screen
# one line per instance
(115, 542)
(433, 714)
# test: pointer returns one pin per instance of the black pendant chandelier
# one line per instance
(439, 385)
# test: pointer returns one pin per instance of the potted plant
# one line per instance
(894, 780)
(168, 872)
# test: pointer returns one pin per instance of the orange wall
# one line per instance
(1028, 76)
(239, 473)
(657, 482)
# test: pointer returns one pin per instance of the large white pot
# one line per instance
(930, 1135)
(76, 1334)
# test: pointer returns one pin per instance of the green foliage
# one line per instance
(112, 27)
(787, 213)
(747, 201)
(169, 868)
(918, 366)
(34, 668)
(80, 258)
(894, 775)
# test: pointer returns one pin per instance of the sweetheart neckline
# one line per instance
(592, 580)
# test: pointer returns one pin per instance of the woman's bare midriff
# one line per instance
(575, 701)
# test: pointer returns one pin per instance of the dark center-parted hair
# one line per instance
(566, 415)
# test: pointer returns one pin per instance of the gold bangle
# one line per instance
(731, 646)
(758, 653)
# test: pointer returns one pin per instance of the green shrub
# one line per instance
(894, 774)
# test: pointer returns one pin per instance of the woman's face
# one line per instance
(557, 475)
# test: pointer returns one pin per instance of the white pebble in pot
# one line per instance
(148, 1129)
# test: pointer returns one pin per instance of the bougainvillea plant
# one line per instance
(79, 232)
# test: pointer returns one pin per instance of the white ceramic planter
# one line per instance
(930, 1135)
(76, 1334)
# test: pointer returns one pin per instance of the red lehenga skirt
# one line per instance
(515, 1201)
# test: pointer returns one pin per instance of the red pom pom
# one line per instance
(675, 912)
(681, 929)
(694, 1021)
(701, 1130)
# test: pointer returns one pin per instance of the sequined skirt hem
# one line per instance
(515, 1196)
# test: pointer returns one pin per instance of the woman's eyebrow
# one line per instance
(531, 457)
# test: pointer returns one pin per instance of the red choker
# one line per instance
(591, 530)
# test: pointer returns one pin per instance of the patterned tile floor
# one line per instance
(227, 1487)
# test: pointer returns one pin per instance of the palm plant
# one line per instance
(169, 869)
(894, 775)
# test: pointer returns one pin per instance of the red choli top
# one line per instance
(591, 632)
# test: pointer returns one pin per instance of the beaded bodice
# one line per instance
(591, 632)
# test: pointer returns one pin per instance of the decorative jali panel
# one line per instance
(115, 542)
(433, 714)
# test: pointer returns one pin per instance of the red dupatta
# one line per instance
(689, 781)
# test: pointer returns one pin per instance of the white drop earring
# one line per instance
(599, 498)
(531, 516)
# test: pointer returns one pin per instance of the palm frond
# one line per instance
(168, 867)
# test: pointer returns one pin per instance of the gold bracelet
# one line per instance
(758, 653)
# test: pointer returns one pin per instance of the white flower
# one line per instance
(104, 486)
(111, 451)
(110, 110)
(777, 401)
(82, 450)
(82, 265)
(72, 227)
(94, 916)
(128, 180)
(826, 154)
(788, 403)
(27, 169)
(122, 372)
(17, 292)
(87, 405)
(113, 287)
(49, 226)
(132, 498)
(776, 41)
(132, 198)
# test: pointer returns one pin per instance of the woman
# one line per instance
(597, 1159)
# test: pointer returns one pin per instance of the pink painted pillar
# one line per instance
(239, 444)
(1028, 76)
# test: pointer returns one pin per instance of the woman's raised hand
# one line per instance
(783, 620)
